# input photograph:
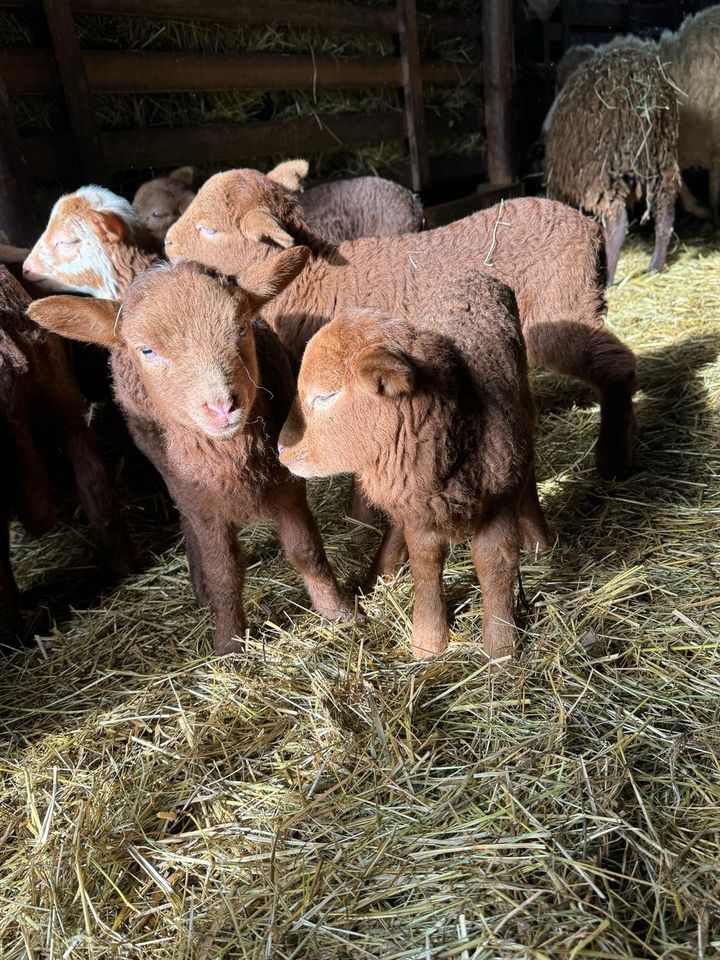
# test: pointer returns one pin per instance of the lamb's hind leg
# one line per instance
(496, 555)
(590, 352)
(533, 525)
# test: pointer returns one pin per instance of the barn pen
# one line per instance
(322, 795)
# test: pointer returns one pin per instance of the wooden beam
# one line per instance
(413, 93)
(32, 71)
(16, 214)
(76, 92)
(260, 13)
(497, 27)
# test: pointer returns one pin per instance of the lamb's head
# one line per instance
(80, 249)
(188, 334)
(241, 217)
(355, 373)
(162, 201)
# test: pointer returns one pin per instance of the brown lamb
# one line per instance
(550, 255)
(339, 210)
(40, 399)
(612, 142)
(161, 201)
(205, 386)
(450, 451)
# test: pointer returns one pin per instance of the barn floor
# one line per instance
(323, 797)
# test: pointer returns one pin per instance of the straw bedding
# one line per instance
(324, 797)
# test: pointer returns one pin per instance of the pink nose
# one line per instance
(221, 411)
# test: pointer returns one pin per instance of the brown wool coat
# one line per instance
(550, 255)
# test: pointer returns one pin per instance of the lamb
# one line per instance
(550, 255)
(612, 141)
(205, 386)
(692, 58)
(40, 398)
(340, 210)
(94, 243)
(161, 201)
(451, 447)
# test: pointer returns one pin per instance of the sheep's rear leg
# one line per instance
(391, 555)
(303, 546)
(593, 354)
(664, 216)
(428, 552)
(223, 567)
(615, 229)
(496, 555)
(533, 525)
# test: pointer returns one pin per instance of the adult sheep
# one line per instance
(338, 210)
(550, 255)
(612, 142)
(692, 56)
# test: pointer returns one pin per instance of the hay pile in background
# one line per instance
(44, 113)
(324, 797)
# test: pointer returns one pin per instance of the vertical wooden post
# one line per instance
(76, 91)
(413, 95)
(17, 218)
(497, 27)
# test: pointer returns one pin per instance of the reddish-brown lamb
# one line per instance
(40, 399)
(205, 385)
(450, 452)
(549, 254)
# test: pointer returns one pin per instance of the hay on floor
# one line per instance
(324, 797)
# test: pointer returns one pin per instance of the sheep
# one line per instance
(692, 57)
(550, 255)
(160, 202)
(40, 398)
(340, 210)
(205, 385)
(612, 141)
(94, 243)
(451, 446)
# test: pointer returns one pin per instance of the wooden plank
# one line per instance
(486, 195)
(413, 92)
(50, 155)
(32, 71)
(498, 83)
(78, 102)
(259, 13)
(16, 215)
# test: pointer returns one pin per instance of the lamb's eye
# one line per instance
(208, 231)
(64, 244)
(243, 330)
(323, 399)
(148, 353)
(158, 215)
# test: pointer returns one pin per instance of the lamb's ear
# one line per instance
(290, 174)
(266, 280)
(259, 225)
(384, 372)
(79, 318)
(108, 226)
(184, 175)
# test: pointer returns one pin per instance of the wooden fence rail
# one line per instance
(79, 74)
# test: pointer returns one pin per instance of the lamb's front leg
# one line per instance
(496, 555)
(303, 546)
(428, 552)
(223, 570)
